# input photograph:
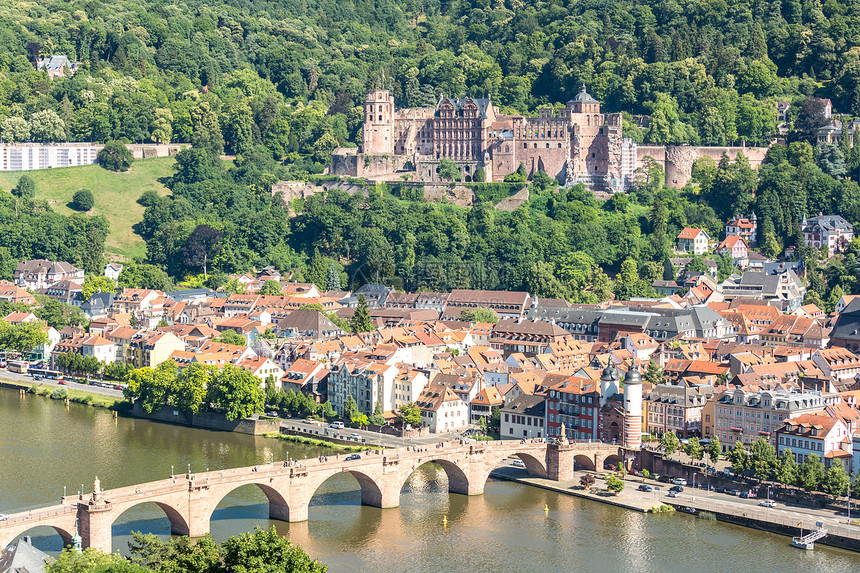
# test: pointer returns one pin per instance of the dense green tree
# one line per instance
(83, 200)
(96, 283)
(836, 481)
(115, 156)
(786, 468)
(448, 170)
(670, 443)
(714, 450)
(811, 472)
(361, 321)
(762, 459)
(694, 449)
(739, 458)
(479, 314)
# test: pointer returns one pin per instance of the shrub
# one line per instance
(149, 198)
(33, 389)
(59, 394)
(115, 156)
(83, 200)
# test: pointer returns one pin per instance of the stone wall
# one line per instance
(208, 420)
(514, 201)
(677, 160)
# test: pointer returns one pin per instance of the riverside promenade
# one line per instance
(787, 520)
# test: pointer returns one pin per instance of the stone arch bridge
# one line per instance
(189, 500)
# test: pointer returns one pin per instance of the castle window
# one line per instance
(535, 145)
(547, 145)
(380, 118)
(559, 146)
(525, 145)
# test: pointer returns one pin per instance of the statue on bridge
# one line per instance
(562, 436)
(97, 489)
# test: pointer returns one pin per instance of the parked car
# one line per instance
(677, 488)
(767, 503)
(355, 436)
(645, 487)
(748, 495)
(336, 425)
(732, 492)
(352, 457)
(679, 481)
(518, 464)
(3, 517)
(720, 489)
(673, 493)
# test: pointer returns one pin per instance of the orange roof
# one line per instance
(689, 233)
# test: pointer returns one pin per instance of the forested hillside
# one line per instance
(280, 84)
(703, 70)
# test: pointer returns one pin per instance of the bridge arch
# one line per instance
(611, 461)
(35, 530)
(458, 481)
(583, 462)
(279, 507)
(178, 521)
(535, 466)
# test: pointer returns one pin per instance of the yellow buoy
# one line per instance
(546, 507)
(445, 520)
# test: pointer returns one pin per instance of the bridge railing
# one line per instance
(37, 514)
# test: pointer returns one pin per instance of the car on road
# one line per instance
(272, 413)
(336, 425)
(63, 382)
(644, 487)
(767, 503)
(352, 457)
(355, 436)
(677, 488)
(679, 481)
(37, 377)
(518, 464)
(312, 422)
(720, 489)
(673, 493)
(732, 492)
(3, 517)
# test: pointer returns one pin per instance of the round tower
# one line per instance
(608, 383)
(378, 136)
(633, 409)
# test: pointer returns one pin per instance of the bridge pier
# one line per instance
(94, 525)
(559, 462)
(281, 512)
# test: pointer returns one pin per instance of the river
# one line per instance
(44, 446)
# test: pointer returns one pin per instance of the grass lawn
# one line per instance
(116, 196)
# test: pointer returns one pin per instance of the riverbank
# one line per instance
(788, 522)
(315, 442)
(623, 499)
(60, 393)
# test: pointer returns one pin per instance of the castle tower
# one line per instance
(608, 383)
(633, 409)
(378, 136)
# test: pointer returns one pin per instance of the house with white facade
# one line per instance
(442, 410)
(825, 436)
(832, 232)
(692, 240)
(524, 418)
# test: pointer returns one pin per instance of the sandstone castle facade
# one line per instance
(574, 144)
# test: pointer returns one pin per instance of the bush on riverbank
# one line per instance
(662, 508)
(316, 442)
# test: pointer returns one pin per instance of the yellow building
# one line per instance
(153, 349)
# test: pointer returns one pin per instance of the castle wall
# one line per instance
(677, 160)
